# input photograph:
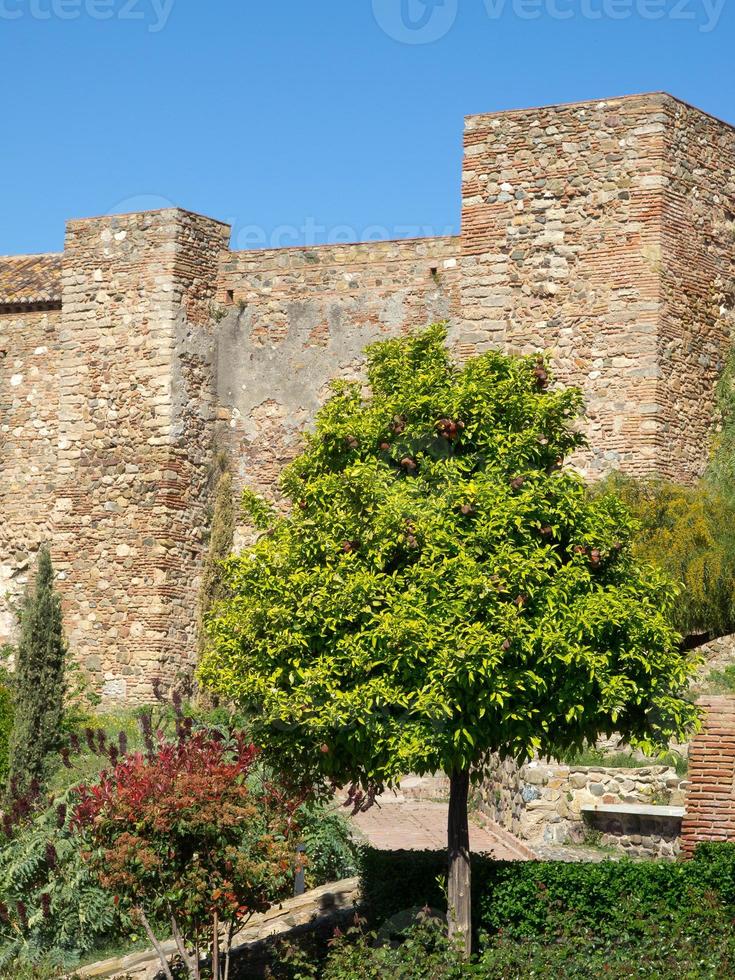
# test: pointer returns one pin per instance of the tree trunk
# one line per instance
(458, 879)
(155, 943)
(215, 947)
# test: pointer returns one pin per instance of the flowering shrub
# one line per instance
(182, 834)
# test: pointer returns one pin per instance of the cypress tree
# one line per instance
(39, 680)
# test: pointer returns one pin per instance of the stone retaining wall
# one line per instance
(314, 909)
(541, 803)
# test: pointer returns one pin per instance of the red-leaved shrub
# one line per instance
(189, 834)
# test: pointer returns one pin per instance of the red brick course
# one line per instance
(710, 805)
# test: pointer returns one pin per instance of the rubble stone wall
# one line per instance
(697, 322)
(541, 802)
(29, 422)
(296, 318)
(603, 232)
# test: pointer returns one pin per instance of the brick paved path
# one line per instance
(399, 822)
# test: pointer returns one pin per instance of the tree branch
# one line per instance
(191, 962)
(155, 943)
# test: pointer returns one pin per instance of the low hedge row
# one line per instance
(528, 899)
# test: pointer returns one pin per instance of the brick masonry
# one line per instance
(601, 232)
(710, 802)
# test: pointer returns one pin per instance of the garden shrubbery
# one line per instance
(693, 943)
(688, 532)
(541, 919)
(523, 899)
(7, 715)
(127, 814)
(52, 911)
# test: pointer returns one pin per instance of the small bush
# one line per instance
(331, 851)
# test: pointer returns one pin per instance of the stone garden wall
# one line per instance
(542, 803)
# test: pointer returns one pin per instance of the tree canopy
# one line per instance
(443, 586)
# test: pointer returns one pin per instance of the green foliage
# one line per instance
(330, 848)
(220, 545)
(423, 954)
(722, 681)
(693, 942)
(39, 685)
(52, 911)
(592, 756)
(7, 716)
(87, 764)
(720, 473)
(442, 586)
(525, 899)
(688, 532)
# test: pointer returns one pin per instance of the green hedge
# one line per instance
(527, 899)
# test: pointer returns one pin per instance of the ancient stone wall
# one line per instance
(602, 232)
(296, 318)
(29, 420)
(136, 424)
(697, 323)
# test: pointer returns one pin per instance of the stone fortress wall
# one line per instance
(603, 232)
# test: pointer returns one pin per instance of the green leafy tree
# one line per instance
(444, 588)
(689, 532)
(39, 681)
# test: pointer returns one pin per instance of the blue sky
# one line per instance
(308, 121)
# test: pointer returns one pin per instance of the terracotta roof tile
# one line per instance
(26, 279)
